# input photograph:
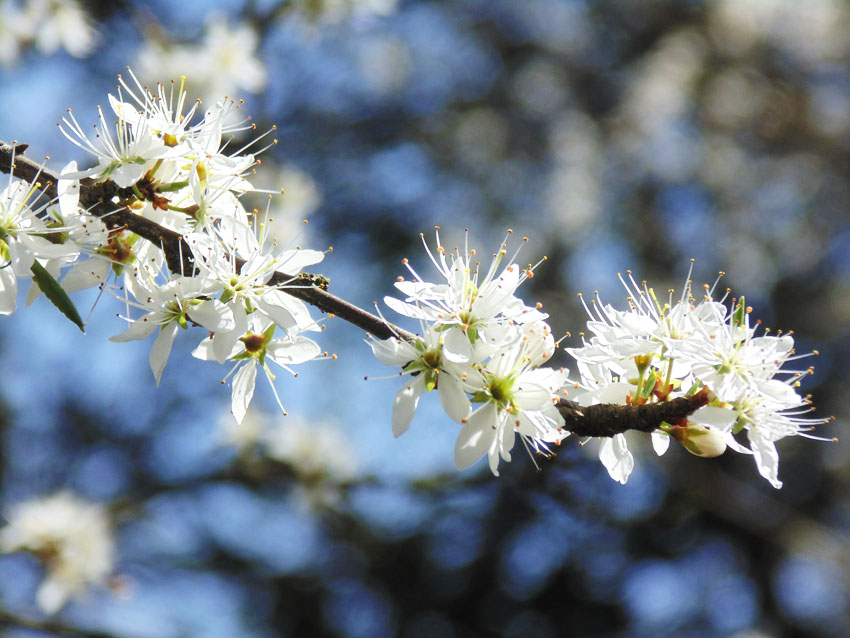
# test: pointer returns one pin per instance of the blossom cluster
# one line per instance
(167, 166)
(46, 24)
(484, 351)
(72, 538)
(317, 454)
(655, 352)
(224, 62)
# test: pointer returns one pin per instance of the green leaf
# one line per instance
(58, 297)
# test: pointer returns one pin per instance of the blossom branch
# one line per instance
(604, 420)
(501, 377)
(178, 255)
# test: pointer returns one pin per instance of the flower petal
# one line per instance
(452, 397)
(213, 315)
(660, 442)
(162, 348)
(615, 456)
(243, 389)
(767, 458)
(141, 328)
(405, 402)
(475, 437)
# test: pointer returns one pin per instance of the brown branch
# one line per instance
(53, 627)
(609, 419)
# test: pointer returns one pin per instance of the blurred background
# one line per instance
(615, 135)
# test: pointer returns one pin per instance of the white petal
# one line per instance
(405, 402)
(69, 191)
(293, 262)
(226, 341)
(456, 346)
(8, 291)
(531, 396)
(40, 247)
(475, 437)
(141, 328)
(162, 348)
(732, 442)
(780, 392)
(452, 397)
(767, 458)
(128, 174)
(392, 351)
(85, 274)
(204, 351)
(124, 110)
(721, 418)
(506, 436)
(286, 311)
(542, 424)
(51, 595)
(660, 442)
(496, 294)
(408, 310)
(416, 289)
(615, 456)
(243, 389)
(284, 352)
(213, 315)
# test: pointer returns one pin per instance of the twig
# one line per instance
(8, 619)
(607, 419)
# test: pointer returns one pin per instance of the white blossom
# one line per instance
(317, 451)
(478, 306)
(517, 398)
(255, 348)
(480, 345)
(224, 63)
(71, 537)
(653, 353)
(169, 308)
(426, 361)
(24, 233)
(61, 23)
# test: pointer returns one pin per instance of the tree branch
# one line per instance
(608, 419)
(53, 627)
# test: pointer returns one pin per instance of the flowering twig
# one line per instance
(598, 420)
(178, 254)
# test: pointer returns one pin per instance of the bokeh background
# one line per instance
(615, 135)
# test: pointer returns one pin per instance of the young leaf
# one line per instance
(58, 297)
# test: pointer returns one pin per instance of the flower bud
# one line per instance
(700, 441)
